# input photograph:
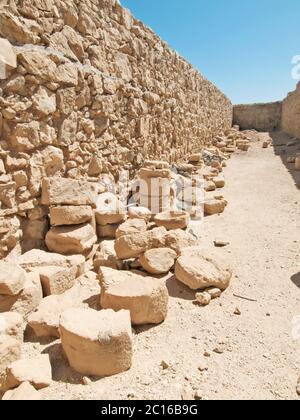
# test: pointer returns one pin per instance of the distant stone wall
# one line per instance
(291, 113)
(261, 117)
(94, 91)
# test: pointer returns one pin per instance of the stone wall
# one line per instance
(94, 91)
(291, 113)
(261, 117)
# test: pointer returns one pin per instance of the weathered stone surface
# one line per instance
(45, 320)
(27, 300)
(131, 226)
(132, 246)
(36, 371)
(179, 239)
(62, 191)
(37, 258)
(94, 91)
(70, 215)
(172, 219)
(140, 213)
(109, 210)
(158, 261)
(24, 392)
(213, 206)
(12, 278)
(68, 240)
(7, 54)
(12, 325)
(199, 272)
(57, 280)
(10, 351)
(106, 256)
(97, 343)
(146, 298)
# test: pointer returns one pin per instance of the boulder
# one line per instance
(24, 392)
(214, 206)
(109, 210)
(12, 325)
(12, 278)
(10, 351)
(172, 219)
(179, 239)
(70, 215)
(56, 280)
(36, 371)
(65, 191)
(71, 239)
(199, 272)
(45, 320)
(219, 181)
(158, 260)
(145, 297)
(106, 256)
(27, 300)
(97, 343)
(140, 213)
(132, 246)
(37, 258)
(131, 226)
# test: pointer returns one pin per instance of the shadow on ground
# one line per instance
(285, 146)
(296, 279)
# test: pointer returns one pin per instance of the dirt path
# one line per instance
(259, 359)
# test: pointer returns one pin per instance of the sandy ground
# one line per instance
(256, 356)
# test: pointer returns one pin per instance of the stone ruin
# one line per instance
(89, 91)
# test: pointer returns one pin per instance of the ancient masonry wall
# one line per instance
(291, 113)
(94, 91)
(261, 117)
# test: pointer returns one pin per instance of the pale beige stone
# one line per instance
(109, 210)
(37, 258)
(70, 215)
(179, 239)
(106, 256)
(140, 213)
(199, 272)
(145, 297)
(27, 300)
(36, 371)
(12, 325)
(7, 54)
(10, 351)
(24, 392)
(57, 280)
(203, 298)
(132, 246)
(63, 191)
(84, 294)
(68, 240)
(219, 181)
(131, 226)
(158, 260)
(97, 343)
(172, 220)
(12, 278)
(213, 206)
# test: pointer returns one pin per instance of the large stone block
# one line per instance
(69, 240)
(64, 191)
(145, 297)
(97, 343)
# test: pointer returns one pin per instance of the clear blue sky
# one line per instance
(245, 47)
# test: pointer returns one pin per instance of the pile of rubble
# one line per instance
(107, 271)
